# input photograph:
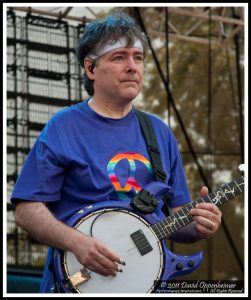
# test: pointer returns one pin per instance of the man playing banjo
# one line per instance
(94, 152)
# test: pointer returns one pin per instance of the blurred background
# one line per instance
(194, 81)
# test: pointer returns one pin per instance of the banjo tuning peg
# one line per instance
(242, 167)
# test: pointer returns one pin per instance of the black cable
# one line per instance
(99, 215)
(167, 62)
(209, 131)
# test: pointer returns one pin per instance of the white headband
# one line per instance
(121, 43)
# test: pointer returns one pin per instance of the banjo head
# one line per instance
(132, 238)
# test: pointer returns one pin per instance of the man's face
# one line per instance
(119, 74)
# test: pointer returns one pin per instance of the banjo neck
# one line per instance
(166, 227)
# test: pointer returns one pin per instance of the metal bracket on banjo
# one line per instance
(79, 277)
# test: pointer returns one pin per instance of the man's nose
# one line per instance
(131, 65)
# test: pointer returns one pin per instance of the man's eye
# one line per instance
(118, 58)
(139, 58)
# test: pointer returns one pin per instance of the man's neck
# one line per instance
(109, 109)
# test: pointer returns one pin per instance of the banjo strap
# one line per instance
(148, 133)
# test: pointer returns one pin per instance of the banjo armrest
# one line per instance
(79, 277)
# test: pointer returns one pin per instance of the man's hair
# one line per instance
(109, 29)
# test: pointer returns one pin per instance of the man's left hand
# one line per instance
(207, 217)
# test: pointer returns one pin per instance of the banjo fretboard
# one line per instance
(181, 218)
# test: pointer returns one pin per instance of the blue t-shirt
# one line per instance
(88, 158)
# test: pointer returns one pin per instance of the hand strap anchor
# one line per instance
(144, 202)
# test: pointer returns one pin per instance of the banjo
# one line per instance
(139, 239)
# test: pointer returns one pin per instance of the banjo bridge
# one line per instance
(141, 242)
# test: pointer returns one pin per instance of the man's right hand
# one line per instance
(95, 256)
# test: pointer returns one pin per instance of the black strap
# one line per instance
(152, 146)
(154, 153)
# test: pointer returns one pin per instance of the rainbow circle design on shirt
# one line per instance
(131, 182)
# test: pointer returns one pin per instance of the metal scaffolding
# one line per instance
(43, 76)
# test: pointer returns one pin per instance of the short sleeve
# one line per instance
(42, 174)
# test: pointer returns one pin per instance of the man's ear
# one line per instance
(89, 65)
(92, 66)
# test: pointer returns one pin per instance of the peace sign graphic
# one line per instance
(131, 182)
